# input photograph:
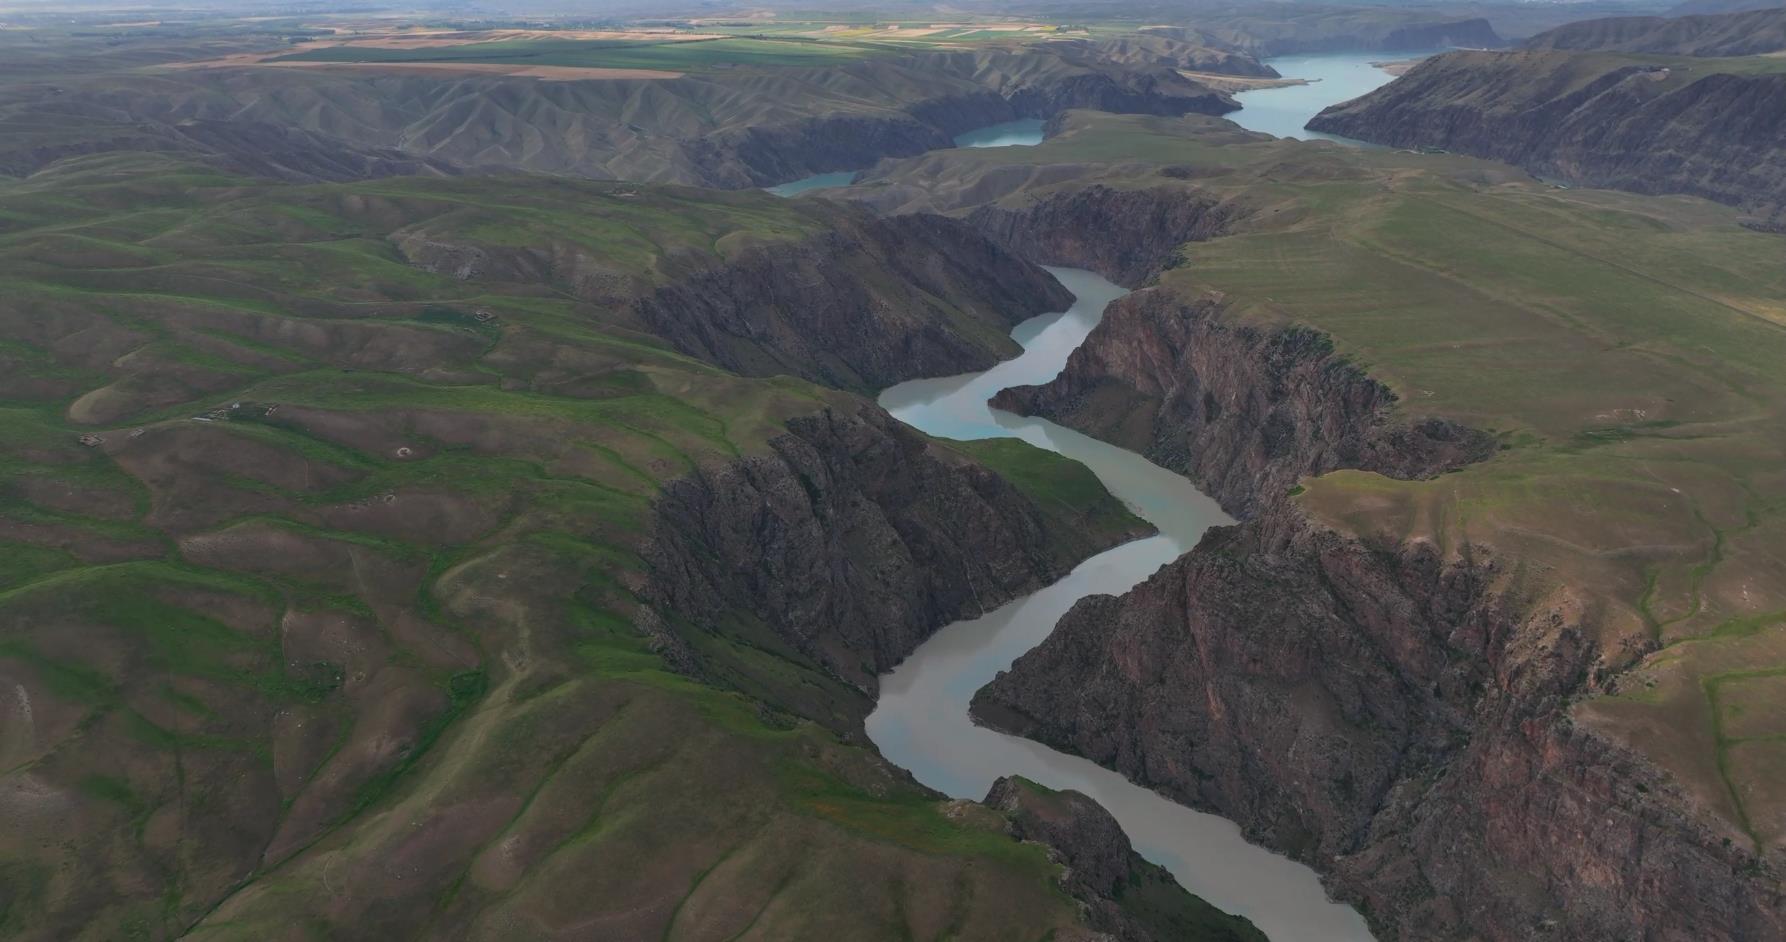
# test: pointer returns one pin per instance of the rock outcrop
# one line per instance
(866, 305)
(1589, 120)
(853, 540)
(1073, 227)
(1124, 895)
(1396, 717)
(1243, 410)
(1397, 721)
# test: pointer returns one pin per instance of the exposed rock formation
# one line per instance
(1074, 226)
(1588, 120)
(1125, 895)
(1243, 410)
(865, 306)
(854, 540)
(1396, 718)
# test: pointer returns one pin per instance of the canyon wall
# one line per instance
(1243, 410)
(854, 539)
(866, 305)
(1395, 717)
(1589, 120)
(1073, 227)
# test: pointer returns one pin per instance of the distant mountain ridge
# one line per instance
(1333, 29)
(1754, 32)
(734, 130)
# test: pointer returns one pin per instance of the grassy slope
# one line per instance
(356, 653)
(1625, 349)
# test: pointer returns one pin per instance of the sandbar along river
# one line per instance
(921, 721)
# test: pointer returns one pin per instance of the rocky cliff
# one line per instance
(1243, 410)
(1398, 721)
(1589, 119)
(853, 540)
(866, 305)
(1124, 895)
(1073, 227)
(1396, 717)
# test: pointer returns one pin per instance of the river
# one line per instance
(921, 720)
(1024, 132)
(1331, 77)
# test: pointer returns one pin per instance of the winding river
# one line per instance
(921, 721)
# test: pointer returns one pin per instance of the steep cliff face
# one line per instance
(864, 303)
(1588, 119)
(1124, 895)
(1396, 717)
(1072, 227)
(1396, 720)
(1245, 411)
(854, 540)
(867, 305)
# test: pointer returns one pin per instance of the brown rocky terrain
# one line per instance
(1395, 719)
(945, 305)
(1246, 411)
(1394, 715)
(1074, 226)
(852, 541)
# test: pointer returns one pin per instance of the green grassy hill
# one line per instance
(318, 575)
